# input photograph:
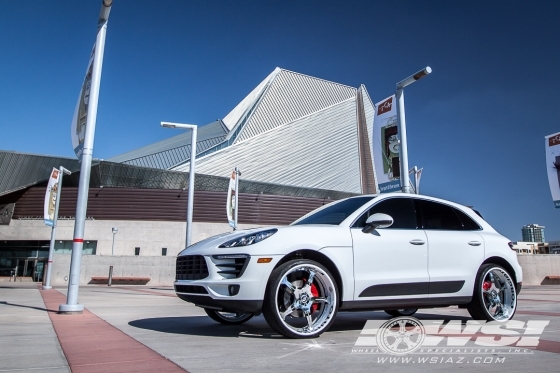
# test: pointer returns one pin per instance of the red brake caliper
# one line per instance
(486, 285)
(315, 294)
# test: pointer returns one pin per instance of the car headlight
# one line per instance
(249, 239)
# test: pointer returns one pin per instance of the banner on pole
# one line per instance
(230, 205)
(50, 197)
(386, 145)
(552, 148)
(79, 120)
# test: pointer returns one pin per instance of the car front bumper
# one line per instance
(225, 292)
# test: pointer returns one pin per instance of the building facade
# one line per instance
(533, 233)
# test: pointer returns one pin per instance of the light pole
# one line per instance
(192, 127)
(401, 122)
(114, 230)
(53, 231)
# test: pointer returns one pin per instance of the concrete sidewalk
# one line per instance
(173, 335)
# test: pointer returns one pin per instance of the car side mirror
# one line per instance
(377, 221)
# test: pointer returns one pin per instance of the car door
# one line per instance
(455, 249)
(390, 263)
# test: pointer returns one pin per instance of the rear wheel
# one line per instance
(228, 318)
(494, 296)
(402, 312)
(301, 299)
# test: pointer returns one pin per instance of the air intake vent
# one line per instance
(191, 267)
(190, 289)
(231, 266)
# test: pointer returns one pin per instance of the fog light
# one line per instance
(233, 289)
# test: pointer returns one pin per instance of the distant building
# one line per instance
(533, 233)
(554, 247)
(526, 247)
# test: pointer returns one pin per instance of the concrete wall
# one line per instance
(150, 236)
(537, 267)
(161, 269)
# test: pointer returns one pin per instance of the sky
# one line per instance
(476, 124)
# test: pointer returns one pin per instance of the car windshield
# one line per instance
(335, 213)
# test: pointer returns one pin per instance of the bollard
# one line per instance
(110, 275)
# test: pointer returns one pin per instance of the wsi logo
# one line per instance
(385, 106)
(405, 335)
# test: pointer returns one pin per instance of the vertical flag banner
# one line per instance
(230, 205)
(386, 145)
(50, 197)
(552, 148)
(79, 120)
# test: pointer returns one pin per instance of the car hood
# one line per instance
(285, 240)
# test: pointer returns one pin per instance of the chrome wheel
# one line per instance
(301, 299)
(495, 297)
(228, 318)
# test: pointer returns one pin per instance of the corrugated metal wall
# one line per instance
(166, 205)
(292, 96)
(317, 151)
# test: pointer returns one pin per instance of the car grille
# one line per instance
(191, 267)
(190, 289)
(232, 268)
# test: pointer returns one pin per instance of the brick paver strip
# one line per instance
(90, 344)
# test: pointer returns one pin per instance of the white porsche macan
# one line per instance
(394, 252)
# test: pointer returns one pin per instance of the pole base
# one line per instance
(70, 309)
(47, 287)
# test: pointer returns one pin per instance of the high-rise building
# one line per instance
(533, 233)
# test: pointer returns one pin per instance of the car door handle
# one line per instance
(417, 242)
(475, 243)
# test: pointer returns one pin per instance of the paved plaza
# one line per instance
(149, 329)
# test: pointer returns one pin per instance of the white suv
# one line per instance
(394, 252)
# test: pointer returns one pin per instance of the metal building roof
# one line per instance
(291, 96)
(170, 152)
(319, 150)
(19, 170)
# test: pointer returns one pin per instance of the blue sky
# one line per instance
(476, 124)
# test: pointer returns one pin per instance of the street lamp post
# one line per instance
(114, 230)
(401, 122)
(192, 127)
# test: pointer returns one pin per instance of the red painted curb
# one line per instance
(90, 344)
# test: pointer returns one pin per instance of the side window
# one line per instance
(468, 223)
(400, 209)
(434, 215)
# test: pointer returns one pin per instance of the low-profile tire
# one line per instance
(228, 318)
(402, 312)
(301, 299)
(494, 295)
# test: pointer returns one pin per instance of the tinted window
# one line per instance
(468, 223)
(438, 216)
(400, 209)
(335, 213)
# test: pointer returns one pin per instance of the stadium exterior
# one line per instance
(299, 141)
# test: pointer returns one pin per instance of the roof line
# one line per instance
(314, 77)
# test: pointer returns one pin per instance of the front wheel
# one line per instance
(228, 318)
(301, 299)
(402, 312)
(494, 295)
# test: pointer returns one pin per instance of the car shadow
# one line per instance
(257, 327)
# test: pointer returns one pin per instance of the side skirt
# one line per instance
(387, 304)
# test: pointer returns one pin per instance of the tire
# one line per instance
(402, 312)
(494, 295)
(301, 299)
(228, 318)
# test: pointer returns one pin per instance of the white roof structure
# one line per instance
(292, 129)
